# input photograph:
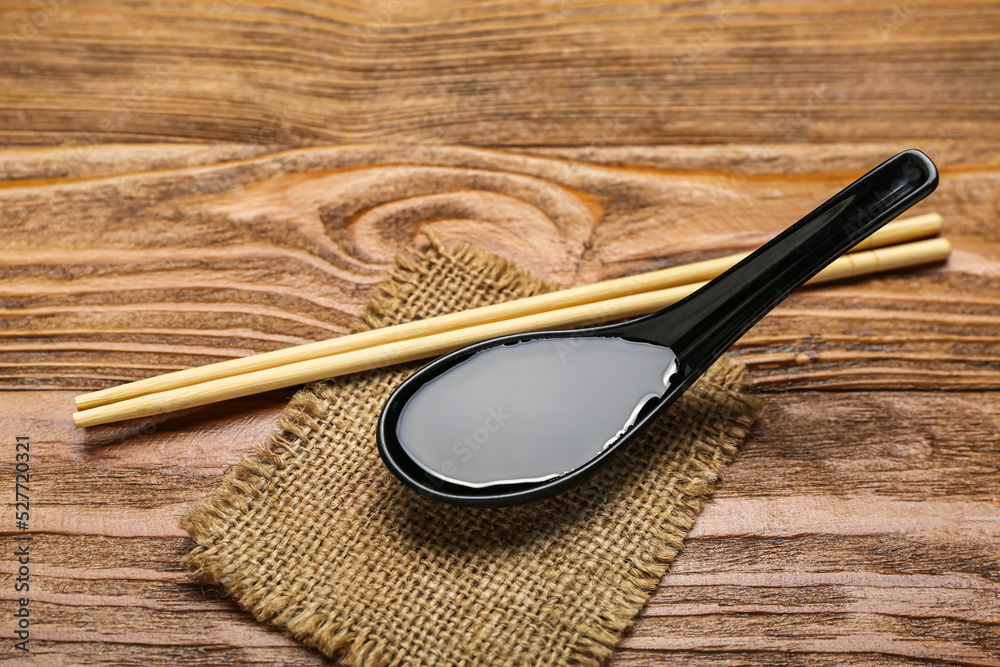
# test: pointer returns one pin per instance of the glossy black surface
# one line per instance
(698, 329)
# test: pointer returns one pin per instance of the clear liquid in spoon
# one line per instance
(531, 411)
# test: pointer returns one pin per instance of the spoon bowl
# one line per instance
(522, 417)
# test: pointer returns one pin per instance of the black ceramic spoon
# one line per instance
(522, 417)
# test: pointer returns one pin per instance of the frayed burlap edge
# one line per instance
(251, 477)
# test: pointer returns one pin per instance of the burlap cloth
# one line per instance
(315, 535)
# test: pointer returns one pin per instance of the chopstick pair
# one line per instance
(590, 304)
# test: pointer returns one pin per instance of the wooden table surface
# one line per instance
(185, 182)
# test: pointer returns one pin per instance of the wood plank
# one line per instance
(817, 545)
(145, 272)
(512, 73)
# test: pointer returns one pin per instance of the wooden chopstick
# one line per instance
(896, 232)
(421, 347)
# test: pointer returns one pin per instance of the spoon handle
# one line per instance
(703, 326)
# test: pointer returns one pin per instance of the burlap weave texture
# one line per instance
(315, 535)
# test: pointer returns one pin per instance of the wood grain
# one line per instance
(860, 524)
(817, 545)
(177, 267)
(499, 73)
(169, 196)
